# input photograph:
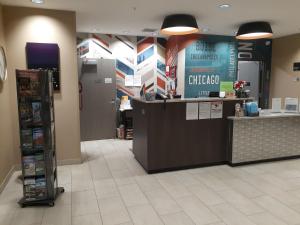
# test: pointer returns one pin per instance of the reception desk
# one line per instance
(165, 140)
(265, 138)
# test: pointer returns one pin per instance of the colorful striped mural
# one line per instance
(143, 56)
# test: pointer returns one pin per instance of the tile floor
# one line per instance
(111, 188)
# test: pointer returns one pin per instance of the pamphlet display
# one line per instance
(291, 104)
(276, 105)
(37, 136)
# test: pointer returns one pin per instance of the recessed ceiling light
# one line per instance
(224, 6)
(37, 1)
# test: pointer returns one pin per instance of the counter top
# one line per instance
(204, 99)
(266, 116)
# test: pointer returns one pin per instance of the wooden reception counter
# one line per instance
(165, 139)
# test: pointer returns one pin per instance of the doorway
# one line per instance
(97, 83)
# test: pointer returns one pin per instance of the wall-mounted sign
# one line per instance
(44, 56)
(296, 66)
(208, 61)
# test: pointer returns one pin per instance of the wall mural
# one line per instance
(209, 61)
(143, 57)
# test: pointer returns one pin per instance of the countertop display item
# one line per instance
(37, 135)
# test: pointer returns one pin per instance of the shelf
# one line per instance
(37, 138)
(34, 176)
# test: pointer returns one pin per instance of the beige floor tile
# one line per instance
(265, 218)
(57, 215)
(132, 195)
(280, 210)
(173, 186)
(99, 169)
(28, 216)
(231, 215)
(82, 184)
(84, 202)
(113, 211)
(144, 215)
(240, 202)
(212, 182)
(196, 210)
(91, 219)
(284, 184)
(123, 177)
(186, 178)
(7, 208)
(162, 202)
(147, 183)
(179, 218)
(106, 188)
(244, 188)
(115, 162)
(206, 195)
(111, 179)
(6, 219)
(84, 208)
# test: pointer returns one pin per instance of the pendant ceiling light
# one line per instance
(254, 30)
(179, 24)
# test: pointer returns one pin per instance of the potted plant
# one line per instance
(239, 88)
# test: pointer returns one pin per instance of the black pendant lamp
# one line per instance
(179, 24)
(254, 30)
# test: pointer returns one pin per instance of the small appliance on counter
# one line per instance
(251, 109)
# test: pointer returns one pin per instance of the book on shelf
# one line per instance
(25, 110)
(30, 192)
(40, 187)
(36, 112)
(38, 138)
(35, 83)
(29, 165)
(24, 86)
(26, 139)
(29, 181)
(39, 164)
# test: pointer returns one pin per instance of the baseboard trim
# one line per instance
(6, 179)
(17, 167)
(69, 162)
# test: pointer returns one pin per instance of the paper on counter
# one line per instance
(192, 111)
(129, 80)
(204, 110)
(216, 111)
(137, 80)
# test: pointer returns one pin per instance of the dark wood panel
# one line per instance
(174, 142)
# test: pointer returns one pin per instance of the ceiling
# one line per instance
(130, 17)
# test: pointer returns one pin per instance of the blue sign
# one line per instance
(208, 61)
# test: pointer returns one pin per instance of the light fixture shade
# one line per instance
(254, 30)
(179, 24)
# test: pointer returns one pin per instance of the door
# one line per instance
(97, 99)
(250, 72)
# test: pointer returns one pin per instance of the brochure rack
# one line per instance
(37, 137)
